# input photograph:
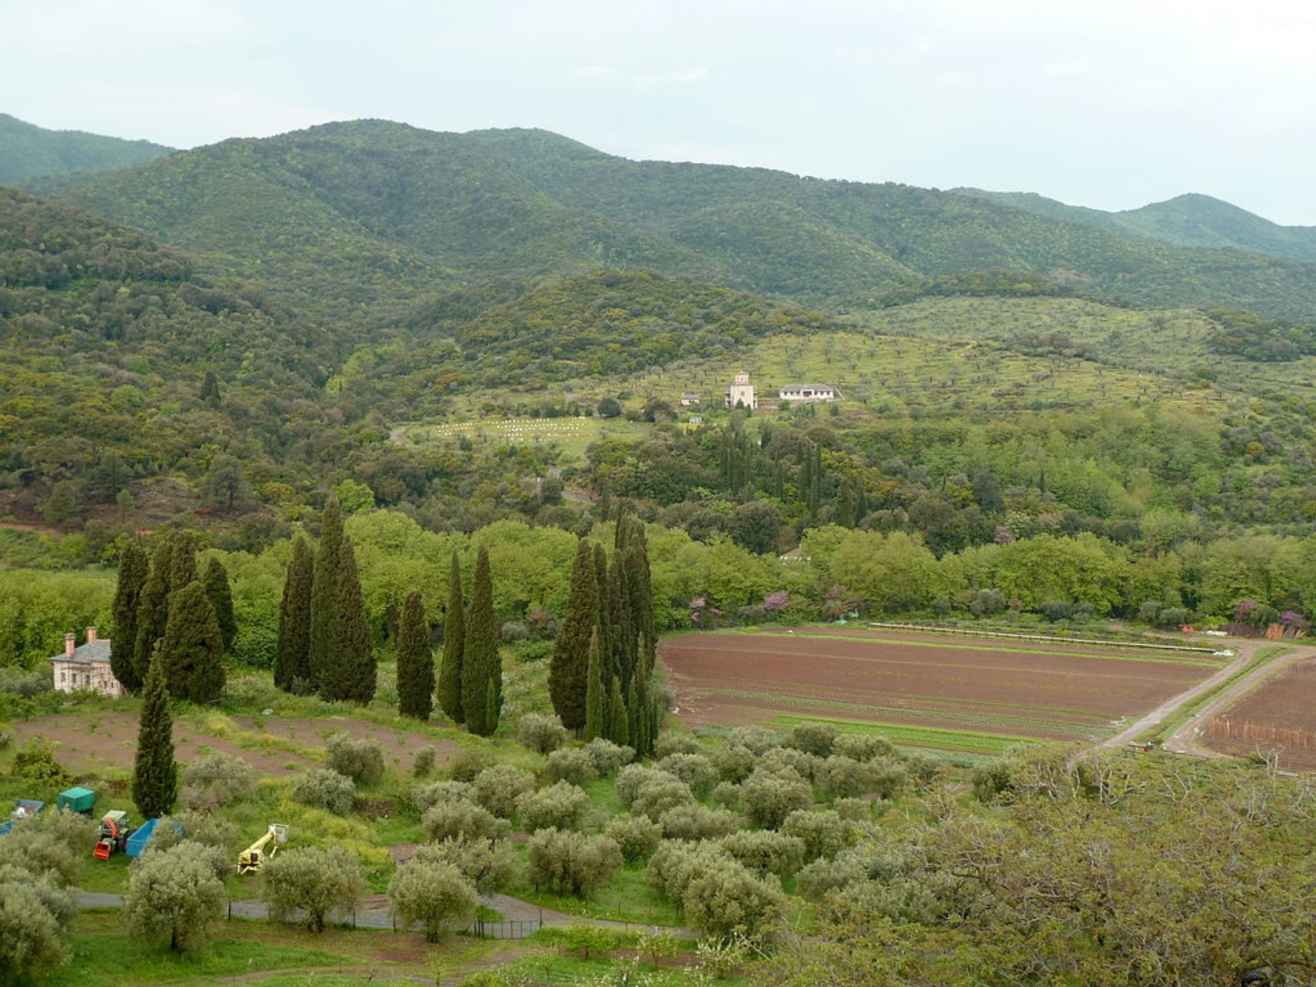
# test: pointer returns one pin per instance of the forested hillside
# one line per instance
(28, 151)
(370, 210)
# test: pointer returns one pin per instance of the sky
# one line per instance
(1110, 104)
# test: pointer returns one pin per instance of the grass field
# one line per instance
(572, 436)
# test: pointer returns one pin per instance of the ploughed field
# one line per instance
(1280, 716)
(924, 689)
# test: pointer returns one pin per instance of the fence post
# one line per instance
(230, 909)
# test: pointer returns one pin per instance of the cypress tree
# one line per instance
(155, 775)
(481, 672)
(596, 701)
(619, 729)
(292, 662)
(601, 603)
(350, 671)
(415, 661)
(454, 645)
(134, 567)
(221, 598)
(192, 647)
(568, 675)
(324, 592)
(619, 631)
(182, 562)
(153, 607)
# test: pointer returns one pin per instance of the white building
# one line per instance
(87, 667)
(807, 392)
(741, 392)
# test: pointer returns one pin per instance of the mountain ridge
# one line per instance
(28, 151)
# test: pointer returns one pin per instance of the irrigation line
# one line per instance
(967, 632)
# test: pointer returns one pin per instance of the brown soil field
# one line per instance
(1279, 716)
(1021, 688)
(398, 746)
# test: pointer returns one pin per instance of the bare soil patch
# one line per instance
(398, 746)
(1279, 716)
(1033, 689)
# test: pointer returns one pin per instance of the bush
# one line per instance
(29, 685)
(359, 760)
(660, 794)
(467, 764)
(725, 794)
(422, 765)
(326, 790)
(513, 632)
(765, 852)
(734, 763)
(44, 854)
(888, 777)
(207, 828)
(769, 798)
(608, 757)
(35, 762)
(924, 769)
(1173, 617)
(759, 740)
(676, 743)
(424, 796)
(499, 787)
(633, 777)
(698, 822)
(313, 880)
(571, 863)
(461, 821)
(560, 806)
(823, 832)
(814, 738)
(727, 900)
(695, 770)
(174, 893)
(789, 762)
(433, 894)
(637, 836)
(571, 764)
(31, 933)
(855, 810)
(217, 779)
(489, 865)
(844, 777)
(530, 651)
(541, 733)
(863, 746)
(823, 875)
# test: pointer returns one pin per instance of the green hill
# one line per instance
(28, 151)
(372, 210)
(1187, 221)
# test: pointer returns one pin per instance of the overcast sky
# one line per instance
(1107, 103)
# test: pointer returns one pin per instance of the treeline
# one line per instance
(1261, 340)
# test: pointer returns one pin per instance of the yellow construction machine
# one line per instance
(253, 858)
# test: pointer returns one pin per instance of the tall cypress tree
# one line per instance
(221, 598)
(415, 661)
(182, 562)
(568, 675)
(134, 567)
(481, 670)
(604, 623)
(596, 700)
(192, 647)
(351, 671)
(324, 592)
(153, 606)
(619, 631)
(155, 775)
(619, 729)
(454, 646)
(292, 661)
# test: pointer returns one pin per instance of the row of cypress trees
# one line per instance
(601, 679)
(162, 604)
(324, 641)
(471, 676)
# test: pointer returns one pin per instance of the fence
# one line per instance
(379, 918)
(505, 929)
(1261, 734)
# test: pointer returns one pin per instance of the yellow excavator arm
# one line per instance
(254, 857)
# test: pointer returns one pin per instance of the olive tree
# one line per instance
(571, 764)
(824, 833)
(765, 852)
(608, 758)
(461, 821)
(174, 893)
(325, 789)
(433, 894)
(638, 836)
(572, 863)
(359, 760)
(541, 733)
(726, 900)
(316, 881)
(31, 936)
(560, 806)
(698, 822)
(767, 799)
(498, 788)
(490, 865)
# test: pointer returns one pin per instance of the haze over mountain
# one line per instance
(368, 210)
(28, 151)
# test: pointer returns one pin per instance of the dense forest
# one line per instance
(28, 151)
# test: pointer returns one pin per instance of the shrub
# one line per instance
(325, 789)
(29, 685)
(733, 762)
(467, 764)
(460, 821)
(637, 836)
(814, 738)
(844, 777)
(207, 828)
(759, 740)
(217, 779)
(824, 833)
(661, 794)
(422, 765)
(765, 852)
(35, 762)
(424, 796)
(71, 830)
(727, 900)
(698, 822)
(608, 757)
(433, 894)
(571, 863)
(695, 770)
(44, 853)
(174, 893)
(789, 762)
(863, 746)
(676, 743)
(513, 631)
(541, 733)
(823, 875)
(499, 787)
(1173, 617)
(924, 769)
(560, 806)
(571, 764)
(313, 880)
(855, 810)
(359, 760)
(769, 798)
(633, 777)
(888, 777)
(726, 794)
(489, 865)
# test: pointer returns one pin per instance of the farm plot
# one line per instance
(1280, 716)
(572, 436)
(945, 693)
